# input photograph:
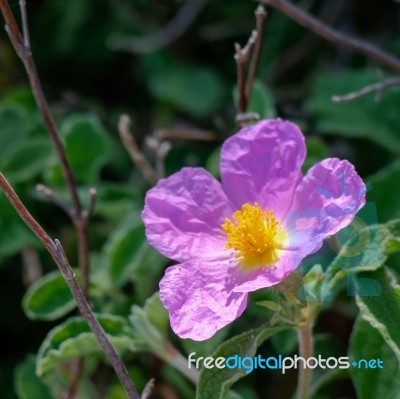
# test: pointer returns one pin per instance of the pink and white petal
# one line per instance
(183, 215)
(267, 276)
(261, 163)
(326, 201)
(199, 298)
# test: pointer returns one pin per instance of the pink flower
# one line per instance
(249, 232)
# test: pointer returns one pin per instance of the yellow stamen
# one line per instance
(255, 235)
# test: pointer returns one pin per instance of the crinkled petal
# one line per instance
(199, 298)
(326, 201)
(183, 215)
(261, 163)
(267, 276)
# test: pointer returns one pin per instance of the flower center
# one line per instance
(255, 235)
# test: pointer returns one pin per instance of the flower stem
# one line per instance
(306, 350)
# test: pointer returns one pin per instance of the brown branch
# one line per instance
(260, 17)
(241, 57)
(377, 88)
(132, 148)
(57, 252)
(328, 33)
(79, 217)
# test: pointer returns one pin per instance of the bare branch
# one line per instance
(57, 252)
(54, 198)
(260, 17)
(148, 389)
(377, 88)
(328, 33)
(133, 150)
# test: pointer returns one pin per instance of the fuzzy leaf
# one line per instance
(214, 383)
(74, 338)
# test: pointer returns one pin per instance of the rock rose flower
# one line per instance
(248, 232)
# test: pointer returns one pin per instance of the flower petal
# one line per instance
(267, 276)
(326, 201)
(199, 298)
(183, 215)
(261, 163)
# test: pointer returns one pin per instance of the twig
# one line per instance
(133, 150)
(260, 17)
(21, 45)
(176, 27)
(186, 134)
(55, 199)
(148, 389)
(332, 35)
(79, 217)
(57, 252)
(241, 57)
(160, 149)
(377, 88)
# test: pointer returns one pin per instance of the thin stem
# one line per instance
(57, 252)
(260, 16)
(378, 87)
(25, 29)
(328, 33)
(10, 21)
(241, 78)
(132, 148)
(305, 350)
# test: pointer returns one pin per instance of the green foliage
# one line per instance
(27, 160)
(150, 325)
(130, 257)
(48, 298)
(367, 249)
(197, 90)
(378, 297)
(371, 383)
(86, 147)
(73, 338)
(14, 233)
(384, 182)
(27, 384)
(363, 118)
(214, 383)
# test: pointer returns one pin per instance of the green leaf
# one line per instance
(192, 88)
(14, 233)
(73, 338)
(378, 298)
(371, 383)
(214, 383)
(361, 118)
(129, 254)
(27, 160)
(49, 298)
(27, 384)
(212, 164)
(366, 250)
(13, 128)
(384, 182)
(317, 150)
(86, 147)
(150, 325)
